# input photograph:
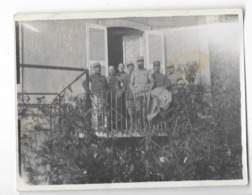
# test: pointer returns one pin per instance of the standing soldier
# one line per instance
(121, 73)
(141, 83)
(99, 89)
(141, 80)
(121, 101)
(160, 80)
(128, 93)
(114, 94)
(97, 80)
(112, 80)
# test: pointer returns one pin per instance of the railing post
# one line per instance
(111, 111)
(126, 111)
(116, 110)
(50, 119)
(60, 126)
(121, 111)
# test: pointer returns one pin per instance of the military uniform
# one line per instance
(160, 80)
(121, 107)
(121, 75)
(160, 96)
(128, 93)
(113, 83)
(98, 82)
(127, 86)
(141, 81)
(114, 87)
(99, 88)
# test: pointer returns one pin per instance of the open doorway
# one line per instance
(124, 44)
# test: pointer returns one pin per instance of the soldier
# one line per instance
(141, 83)
(160, 96)
(99, 88)
(97, 80)
(128, 93)
(141, 80)
(112, 80)
(130, 67)
(113, 96)
(121, 73)
(121, 101)
(160, 80)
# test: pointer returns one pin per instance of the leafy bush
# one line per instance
(196, 148)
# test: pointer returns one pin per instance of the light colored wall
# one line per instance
(192, 43)
(57, 43)
(187, 44)
(225, 48)
(62, 43)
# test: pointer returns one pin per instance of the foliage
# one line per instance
(196, 148)
(189, 69)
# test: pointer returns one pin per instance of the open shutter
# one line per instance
(154, 49)
(97, 47)
(131, 48)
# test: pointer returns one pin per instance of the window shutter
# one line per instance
(97, 47)
(155, 49)
(131, 48)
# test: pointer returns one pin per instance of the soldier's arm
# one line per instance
(151, 80)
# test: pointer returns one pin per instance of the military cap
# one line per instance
(156, 63)
(96, 64)
(140, 58)
(129, 63)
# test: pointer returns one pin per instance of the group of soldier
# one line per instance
(127, 88)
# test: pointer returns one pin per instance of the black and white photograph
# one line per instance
(137, 99)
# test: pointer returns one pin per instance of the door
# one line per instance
(154, 41)
(97, 47)
(131, 48)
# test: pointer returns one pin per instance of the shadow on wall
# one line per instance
(194, 44)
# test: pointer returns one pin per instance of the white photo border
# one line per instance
(21, 186)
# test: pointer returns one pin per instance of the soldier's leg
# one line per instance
(130, 122)
(138, 113)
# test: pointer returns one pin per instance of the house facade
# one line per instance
(80, 43)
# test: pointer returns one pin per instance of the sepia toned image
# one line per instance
(130, 99)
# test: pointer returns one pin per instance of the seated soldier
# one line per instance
(160, 96)
(160, 80)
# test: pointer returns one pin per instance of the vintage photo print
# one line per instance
(136, 99)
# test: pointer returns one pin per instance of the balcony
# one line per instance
(111, 114)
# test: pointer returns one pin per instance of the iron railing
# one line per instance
(114, 113)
